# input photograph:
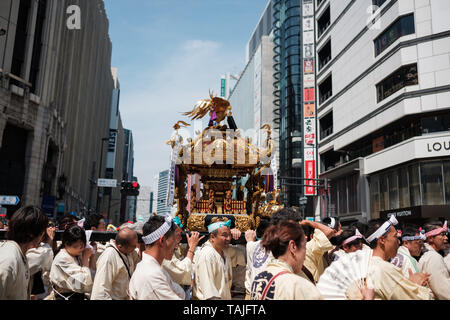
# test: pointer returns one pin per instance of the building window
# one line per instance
(326, 125)
(402, 77)
(432, 184)
(401, 27)
(352, 188)
(20, 39)
(37, 46)
(342, 196)
(446, 168)
(393, 190)
(403, 190)
(436, 123)
(414, 185)
(325, 55)
(325, 90)
(324, 22)
(375, 195)
(378, 3)
(384, 194)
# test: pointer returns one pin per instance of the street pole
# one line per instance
(109, 206)
(100, 173)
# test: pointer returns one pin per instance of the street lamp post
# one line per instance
(100, 172)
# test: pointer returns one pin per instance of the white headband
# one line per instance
(421, 236)
(217, 225)
(381, 231)
(158, 233)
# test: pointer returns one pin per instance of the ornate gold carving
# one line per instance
(196, 222)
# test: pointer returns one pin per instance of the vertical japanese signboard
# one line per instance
(309, 98)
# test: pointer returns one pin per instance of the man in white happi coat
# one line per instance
(433, 263)
(388, 280)
(412, 245)
(213, 264)
(150, 281)
(115, 266)
(180, 270)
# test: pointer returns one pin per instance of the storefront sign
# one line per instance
(438, 146)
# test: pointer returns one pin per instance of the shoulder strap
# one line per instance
(308, 274)
(123, 260)
(263, 297)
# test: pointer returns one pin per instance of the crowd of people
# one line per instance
(284, 259)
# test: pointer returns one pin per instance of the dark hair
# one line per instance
(72, 235)
(347, 233)
(362, 227)
(154, 223)
(410, 231)
(286, 214)
(262, 227)
(327, 220)
(431, 225)
(373, 226)
(66, 222)
(27, 224)
(92, 220)
(276, 238)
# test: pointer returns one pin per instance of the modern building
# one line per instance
(55, 101)
(128, 208)
(288, 94)
(110, 198)
(144, 204)
(252, 96)
(162, 207)
(383, 82)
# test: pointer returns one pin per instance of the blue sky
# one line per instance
(169, 54)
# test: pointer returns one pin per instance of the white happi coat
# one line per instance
(68, 275)
(433, 263)
(40, 259)
(405, 261)
(151, 282)
(447, 261)
(288, 286)
(180, 270)
(257, 260)
(390, 283)
(112, 280)
(315, 250)
(14, 272)
(212, 274)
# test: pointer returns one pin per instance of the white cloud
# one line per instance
(153, 107)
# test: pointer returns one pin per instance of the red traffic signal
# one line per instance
(135, 184)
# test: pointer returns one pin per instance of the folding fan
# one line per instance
(344, 277)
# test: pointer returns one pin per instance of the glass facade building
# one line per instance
(287, 92)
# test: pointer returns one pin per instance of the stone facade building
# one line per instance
(55, 101)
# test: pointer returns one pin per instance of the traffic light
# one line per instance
(129, 188)
(135, 188)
